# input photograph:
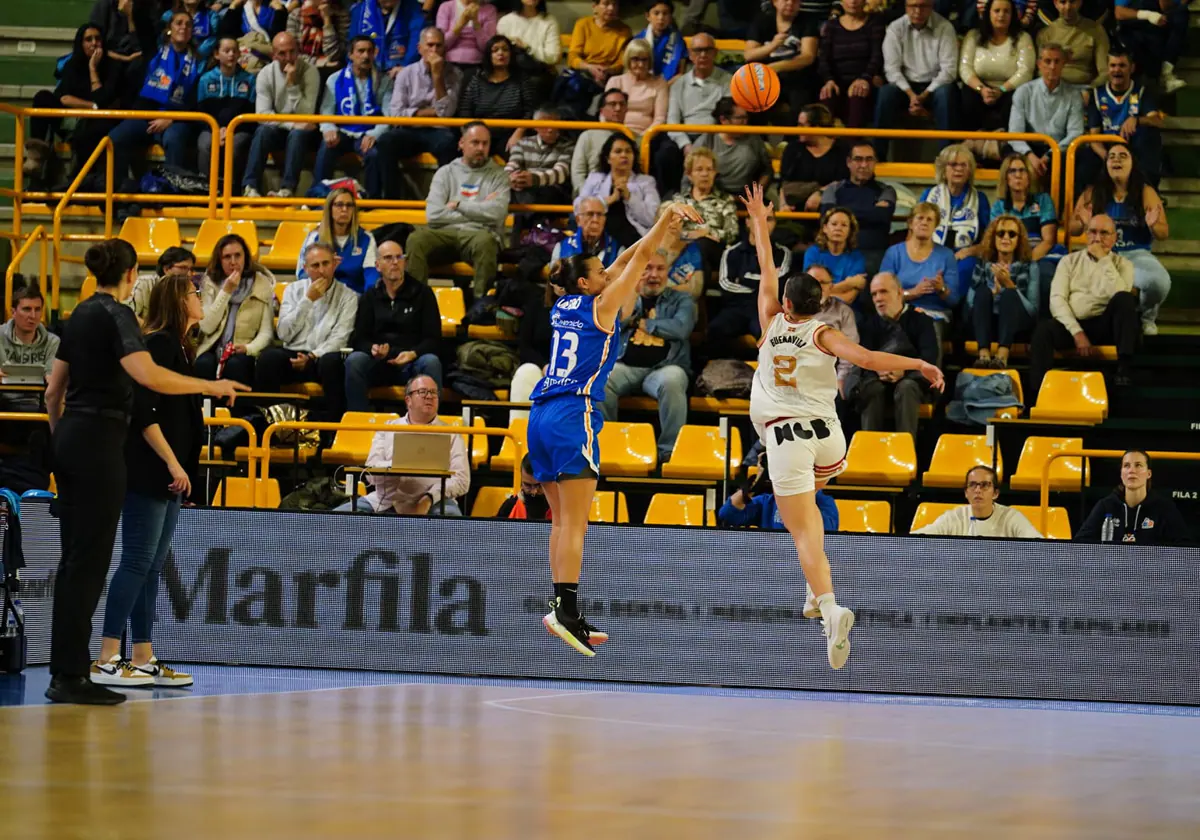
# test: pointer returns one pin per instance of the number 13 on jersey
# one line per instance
(568, 343)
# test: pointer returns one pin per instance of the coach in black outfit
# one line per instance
(89, 400)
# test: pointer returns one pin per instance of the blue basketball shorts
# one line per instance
(564, 437)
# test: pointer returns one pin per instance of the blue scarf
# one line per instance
(348, 103)
(389, 34)
(201, 24)
(170, 76)
(668, 51)
(960, 225)
(264, 19)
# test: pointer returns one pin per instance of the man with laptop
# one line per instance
(27, 349)
(417, 494)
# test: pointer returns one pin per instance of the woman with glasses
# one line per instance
(162, 454)
(965, 209)
(355, 247)
(1019, 194)
(1122, 194)
(647, 102)
(1003, 297)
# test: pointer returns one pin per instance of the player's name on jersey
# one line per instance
(789, 339)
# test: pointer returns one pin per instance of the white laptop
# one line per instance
(23, 374)
(417, 451)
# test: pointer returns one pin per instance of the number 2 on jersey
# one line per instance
(569, 346)
(785, 371)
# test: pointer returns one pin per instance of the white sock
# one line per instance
(808, 594)
(1168, 69)
(826, 603)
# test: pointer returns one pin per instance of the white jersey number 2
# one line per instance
(569, 347)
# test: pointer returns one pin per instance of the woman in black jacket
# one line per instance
(89, 81)
(1138, 516)
(162, 453)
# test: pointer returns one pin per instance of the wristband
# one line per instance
(1147, 15)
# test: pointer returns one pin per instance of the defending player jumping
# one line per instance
(565, 422)
(792, 408)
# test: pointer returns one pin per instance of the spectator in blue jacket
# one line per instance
(266, 18)
(172, 75)
(668, 50)
(205, 21)
(354, 246)
(755, 505)
(589, 236)
(225, 92)
(395, 28)
(927, 272)
(836, 248)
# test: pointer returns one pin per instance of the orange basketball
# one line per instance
(755, 87)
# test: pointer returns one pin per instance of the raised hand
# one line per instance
(753, 201)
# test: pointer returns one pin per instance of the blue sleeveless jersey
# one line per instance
(1133, 234)
(582, 353)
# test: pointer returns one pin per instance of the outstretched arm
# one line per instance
(768, 285)
(837, 344)
(620, 291)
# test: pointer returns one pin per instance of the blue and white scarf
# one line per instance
(962, 222)
(349, 104)
(390, 39)
(668, 52)
(260, 22)
(169, 77)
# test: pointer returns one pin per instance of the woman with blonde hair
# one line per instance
(648, 94)
(964, 208)
(239, 315)
(355, 247)
(836, 248)
(1003, 296)
(162, 455)
(716, 207)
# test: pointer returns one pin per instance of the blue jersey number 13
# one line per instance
(568, 343)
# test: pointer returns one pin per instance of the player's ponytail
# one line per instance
(803, 291)
(567, 272)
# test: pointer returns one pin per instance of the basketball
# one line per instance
(755, 87)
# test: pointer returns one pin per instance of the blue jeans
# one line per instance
(667, 384)
(327, 156)
(363, 506)
(130, 137)
(273, 138)
(892, 105)
(147, 526)
(364, 372)
(1152, 281)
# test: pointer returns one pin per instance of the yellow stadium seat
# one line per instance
(927, 512)
(887, 459)
(503, 460)
(280, 289)
(477, 447)
(1060, 522)
(87, 289)
(609, 506)
(488, 501)
(676, 509)
(150, 237)
(954, 455)
(627, 449)
(211, 230)
(700, 451)
(1072, 395)
(285, 250)
(1064, 472)
(860, 517)
(451, 307)
(351, 447)
(235, 492)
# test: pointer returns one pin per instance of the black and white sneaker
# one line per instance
(571, 630)
(595, 635)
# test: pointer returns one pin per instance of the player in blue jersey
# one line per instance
(564, 422)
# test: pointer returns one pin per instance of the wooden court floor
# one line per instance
(496, 761)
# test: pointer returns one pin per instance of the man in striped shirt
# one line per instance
(539, 170)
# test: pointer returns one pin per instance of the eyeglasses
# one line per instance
(1007, 234)
(957, 164)
(196, 292)
(390, 258)
(343, 205)
(591, 214)
(423, 392)
(979, 485)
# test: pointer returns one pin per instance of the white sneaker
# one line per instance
(250, 192)
(1149, 328)
(837, 636)
(119, 672)
(164, 675)
(811, 609)
(285, 193)
(1169, 81)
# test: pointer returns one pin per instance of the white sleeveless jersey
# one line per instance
(795, 377)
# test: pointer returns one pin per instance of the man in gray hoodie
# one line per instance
(24, 341)
(465, 212)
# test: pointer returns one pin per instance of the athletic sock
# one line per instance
(826, 603)
(568, 599)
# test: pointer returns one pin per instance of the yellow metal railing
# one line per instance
(38, 234)
(891, 133)
(104, 147)
(408, 122)
(264, 451)
(1044, 502)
